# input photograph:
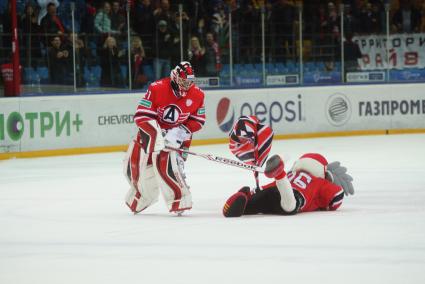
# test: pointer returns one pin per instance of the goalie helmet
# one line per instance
(313, 163)
(182, 78)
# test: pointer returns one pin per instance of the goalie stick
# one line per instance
(221, 160)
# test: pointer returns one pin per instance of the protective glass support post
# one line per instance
(300, 39)
(181, 30)
(230, 48)
(130, 79)
(387, 49)
(341, 9)
(74, 67)
(15, 51)
(28, 52)
(263, 42)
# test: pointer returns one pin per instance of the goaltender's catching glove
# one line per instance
(337, 174)
(176, 136)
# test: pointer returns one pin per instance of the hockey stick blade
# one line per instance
(221, 160)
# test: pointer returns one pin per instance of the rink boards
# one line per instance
(57, 125)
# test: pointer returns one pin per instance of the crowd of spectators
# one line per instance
(158, 31)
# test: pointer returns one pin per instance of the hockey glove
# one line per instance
(176, 136)
(338, 175)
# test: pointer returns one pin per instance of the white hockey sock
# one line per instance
(287, 198)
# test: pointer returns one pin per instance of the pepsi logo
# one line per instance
(225, 115)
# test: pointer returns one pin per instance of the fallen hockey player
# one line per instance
(311, 184)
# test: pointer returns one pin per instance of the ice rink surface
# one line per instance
(63, 220)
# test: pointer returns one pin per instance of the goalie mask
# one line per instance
(182, 79)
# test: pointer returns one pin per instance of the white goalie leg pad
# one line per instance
(171, 179)
(146, 193)
(126, 162)
(150, 136)
(143, 190)
(287, 198)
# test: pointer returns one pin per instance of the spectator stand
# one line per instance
(237, 48)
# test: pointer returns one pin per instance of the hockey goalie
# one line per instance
(169, 113)
(311, 184)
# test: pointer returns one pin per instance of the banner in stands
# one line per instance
(276, 80)
(322, 77)
(249, 81)
(412, 75)
(207, 82)
(357, 77)
(406, 51)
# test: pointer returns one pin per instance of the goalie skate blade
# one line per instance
(135, 212)
(180, 211)
(235, 205)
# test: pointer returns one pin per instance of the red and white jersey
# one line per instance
(250, 141)
(314, 193)
(168, 110)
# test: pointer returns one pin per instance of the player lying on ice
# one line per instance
(170, 111)
(311, 184)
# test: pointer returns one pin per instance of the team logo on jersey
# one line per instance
(171, 114)
(189, 102)
(338, 109)
(225, 115)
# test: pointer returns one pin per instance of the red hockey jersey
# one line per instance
(314, 193)
(250, 141)
(161, 104)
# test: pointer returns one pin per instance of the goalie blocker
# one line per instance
(151, 169)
